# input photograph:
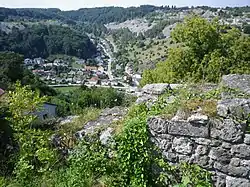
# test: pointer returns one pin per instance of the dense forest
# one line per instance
(93, 15)
(100, 15)
(41, 41)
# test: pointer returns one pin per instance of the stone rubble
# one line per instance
(107, 117)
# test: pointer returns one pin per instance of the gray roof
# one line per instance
(1, 91)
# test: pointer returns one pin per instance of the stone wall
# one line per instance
(220, 145)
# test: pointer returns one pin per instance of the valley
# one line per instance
(144, 96)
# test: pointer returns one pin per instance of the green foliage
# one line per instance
(41, 41)
(75, 101)
(11, 70)
(87, 164)
(246, 29)
(87, 114)
(205, 51)
(35, 155)
(193, 175)
(23, 103)
(135, 154)
(98, 15)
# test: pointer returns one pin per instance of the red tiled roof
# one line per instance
(94, 79)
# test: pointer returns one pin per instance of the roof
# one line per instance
(50, 104)
(94, 79)
(1, 91)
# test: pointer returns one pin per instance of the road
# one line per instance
(90, 85)
(109, 71)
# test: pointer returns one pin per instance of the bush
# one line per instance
(204, 52)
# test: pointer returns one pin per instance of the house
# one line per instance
(89, 68)
(28, 61)
(47, 111)
(80, 61)
(100, 68)
(94, 81)
(39, 61)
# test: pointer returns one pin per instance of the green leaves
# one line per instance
(35, 153)
(205, 51)
(23, 103)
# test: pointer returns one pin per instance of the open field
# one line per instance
(67, 88)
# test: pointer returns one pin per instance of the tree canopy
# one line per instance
(11, 70)
(41, 41)
(204, 51)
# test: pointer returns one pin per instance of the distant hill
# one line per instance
(39, 40)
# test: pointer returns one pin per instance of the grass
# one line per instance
(76, 65)
(158, 49)
(66, 89)
(88, 114)
(189, 101)
(208, 107)
(69, 129)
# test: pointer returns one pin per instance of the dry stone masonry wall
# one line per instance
(220, 145)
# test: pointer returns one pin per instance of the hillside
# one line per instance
(40, 40)
(150, 21)
(125, 97)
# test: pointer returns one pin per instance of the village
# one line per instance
(76, 72)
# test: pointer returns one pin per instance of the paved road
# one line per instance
(108, 53)
(90, 85)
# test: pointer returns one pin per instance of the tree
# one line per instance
(10, 68)
(42, 40)
(204, 51)
(35, 155)
(246, 29)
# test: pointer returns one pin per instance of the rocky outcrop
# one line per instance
(107, 117)
(150, 92)
(239, 82)
(68, 119)
(220, 145)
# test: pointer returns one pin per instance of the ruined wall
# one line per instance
(220, 145)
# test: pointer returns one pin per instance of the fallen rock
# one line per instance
(180, 116)
(107, 117)
(146, 99)
(155, 89)
(68, 119)
(239, 82)
(239, 108)
(236, 182)
(106, 136)
(116, 111)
